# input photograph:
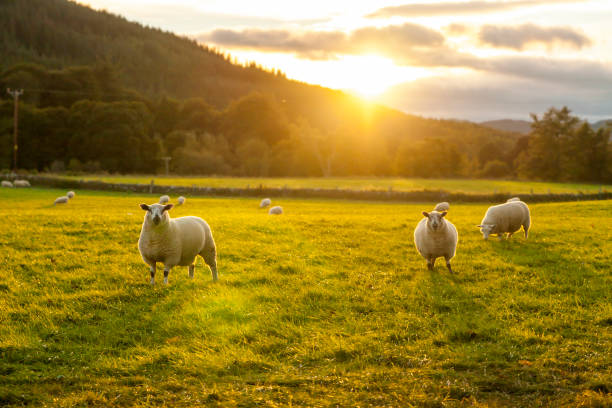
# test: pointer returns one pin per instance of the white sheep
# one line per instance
(513, 199)
(6, 183)
(181, 200)
(443, 206)
(276, 210)
(435, 237)
(164, 199)
(61, 200)
(265, 202)
(507, 217)
(22, 183)
(70, 194)
(175, 241)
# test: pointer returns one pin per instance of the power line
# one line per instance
(15, 94)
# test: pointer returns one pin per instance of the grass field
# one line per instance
(326, 305)
(357, 183)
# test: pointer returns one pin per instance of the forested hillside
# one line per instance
(102, 93)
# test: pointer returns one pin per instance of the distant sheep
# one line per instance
(276, 210)
(22, 183)
(506, 218)
(435, 237)
(181, 200)
(164, 199)
(265, 202)
(61, 200)
(6, 183)
(443, 206)
(513, 199)
(175, 241)
(70, 194)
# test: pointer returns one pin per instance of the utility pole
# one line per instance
(166, 160)
(15, 93)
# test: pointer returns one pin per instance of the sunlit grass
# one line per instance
(365, 183)
(328, 304)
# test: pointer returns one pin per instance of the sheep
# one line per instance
(443, 206)
(435, 237)
(22, 183)
(513, 199)
(265, 202)
(175, 241)
(164, 199)
(181, 200)
(61, 200)
(6, 183)
(70, 194)
(276, 210)
(507, 217)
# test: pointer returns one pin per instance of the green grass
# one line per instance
(364, 183)
(328, 304)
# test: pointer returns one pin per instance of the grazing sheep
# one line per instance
(6, 183)
(265, 202)
(276, 210)
(164, 199)
(22, 183)
(175, 241)
(61, 200)
(513, 199)
(435, 237)
(70, 194)
(507, 217)
(443, 206)
(181, 200)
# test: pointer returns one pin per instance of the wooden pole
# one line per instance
(15, 94)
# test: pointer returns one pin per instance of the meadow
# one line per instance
(326, 305)
(363, 183)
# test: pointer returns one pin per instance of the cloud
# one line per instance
(489, 96)
(388, 41)
(519, 37)
(454, 8)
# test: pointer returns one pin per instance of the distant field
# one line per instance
(356, 183)
(326, 305)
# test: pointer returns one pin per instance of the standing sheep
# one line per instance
(265, 202)
(164, 199)
(70, 194)
(181, 200)
(22, 183)
(443, 206)
(507, 217)
(61, 200)
(175, 241)
(276, 210)
(435, 237)
(6, 183)
(513, 199)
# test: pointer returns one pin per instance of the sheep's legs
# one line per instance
(448, 265)
(152, 269)
(430, 263)
(210, 257)
(166, 272)
(191, 269)
(509, 235)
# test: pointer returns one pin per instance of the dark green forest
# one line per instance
(105, 94)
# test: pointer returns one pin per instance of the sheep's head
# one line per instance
(434, 219)
(487, 229)
(157, 213)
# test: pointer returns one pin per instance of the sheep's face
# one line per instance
(486, 229)
(157, 213)
(434, 219)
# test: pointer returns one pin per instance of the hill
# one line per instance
(509, 125)
(602, 123)
(62, 53)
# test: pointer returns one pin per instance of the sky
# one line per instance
(463, 59)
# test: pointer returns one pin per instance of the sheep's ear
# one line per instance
(443, 214)
(168, 207)
(425, 213)
(144, 207)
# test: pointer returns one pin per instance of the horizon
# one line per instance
(463, 60)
